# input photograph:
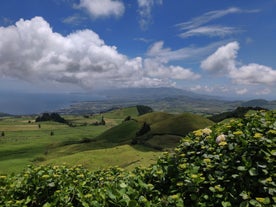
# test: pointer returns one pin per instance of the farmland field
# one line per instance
(25, 142)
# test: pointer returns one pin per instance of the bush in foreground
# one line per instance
(231, 164)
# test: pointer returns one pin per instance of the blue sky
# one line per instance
(216, 47)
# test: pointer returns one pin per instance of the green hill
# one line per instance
(122, 133)
(165, 129)
(180, 124)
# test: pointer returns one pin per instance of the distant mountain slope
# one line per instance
(170, 100)
(237, 113)
(4, 114)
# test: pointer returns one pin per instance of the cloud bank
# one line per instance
(30, 50)
(223, 61)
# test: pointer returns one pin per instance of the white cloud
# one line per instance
(156, 68)
(75, 19)
(264, 91)
(31, 51)
(210, 16)
(211, 31)
(194, 26)
(202, 89)
(254, 74)
(223, 61)
(158, 51)
(145, 7)
(241, 91)
(102, 8)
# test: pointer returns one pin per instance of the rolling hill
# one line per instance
(165, 129)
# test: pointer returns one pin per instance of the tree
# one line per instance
(102, 121)
(2, 134)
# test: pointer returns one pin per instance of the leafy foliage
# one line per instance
(230, 164)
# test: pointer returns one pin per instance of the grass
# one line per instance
(92, 146)
(124, 156)
(23, 141)
(180, 124)
(123, 132)
(26, 143)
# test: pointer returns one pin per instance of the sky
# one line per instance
(214, 47)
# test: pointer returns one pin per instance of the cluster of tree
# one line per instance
(51, 117)
(140, 138)
(97, 123)
(237, 113)
(143, 109)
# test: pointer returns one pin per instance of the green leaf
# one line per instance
(255, 203)
(47, 205)
(132, 203)
(52, 184)
(226, 204)
(253, 171)
(123, 185)
(244, 195)
(244, 204)
(273, 152)
(235, 176)
(241, 168)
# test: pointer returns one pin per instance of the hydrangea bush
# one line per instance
(230, 164)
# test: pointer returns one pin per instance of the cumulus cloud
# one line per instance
(254, 74)
(30, 50)
(145, 7)
(223, 61)
(102, 8)
(156, 68)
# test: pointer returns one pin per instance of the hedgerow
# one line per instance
(230, 164)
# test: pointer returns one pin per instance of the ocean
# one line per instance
(34, 103)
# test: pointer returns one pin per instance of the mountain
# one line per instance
(237, 113)
(150, 93)
(171, 100)
(4, 114)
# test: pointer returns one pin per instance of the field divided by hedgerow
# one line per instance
(229, 164)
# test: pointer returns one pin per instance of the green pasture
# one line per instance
(26, 142)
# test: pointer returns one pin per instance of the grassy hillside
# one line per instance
(180, 124)
(121, 133)
(27, 142)
(124, 156)
(167, 129)
(229, 164)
